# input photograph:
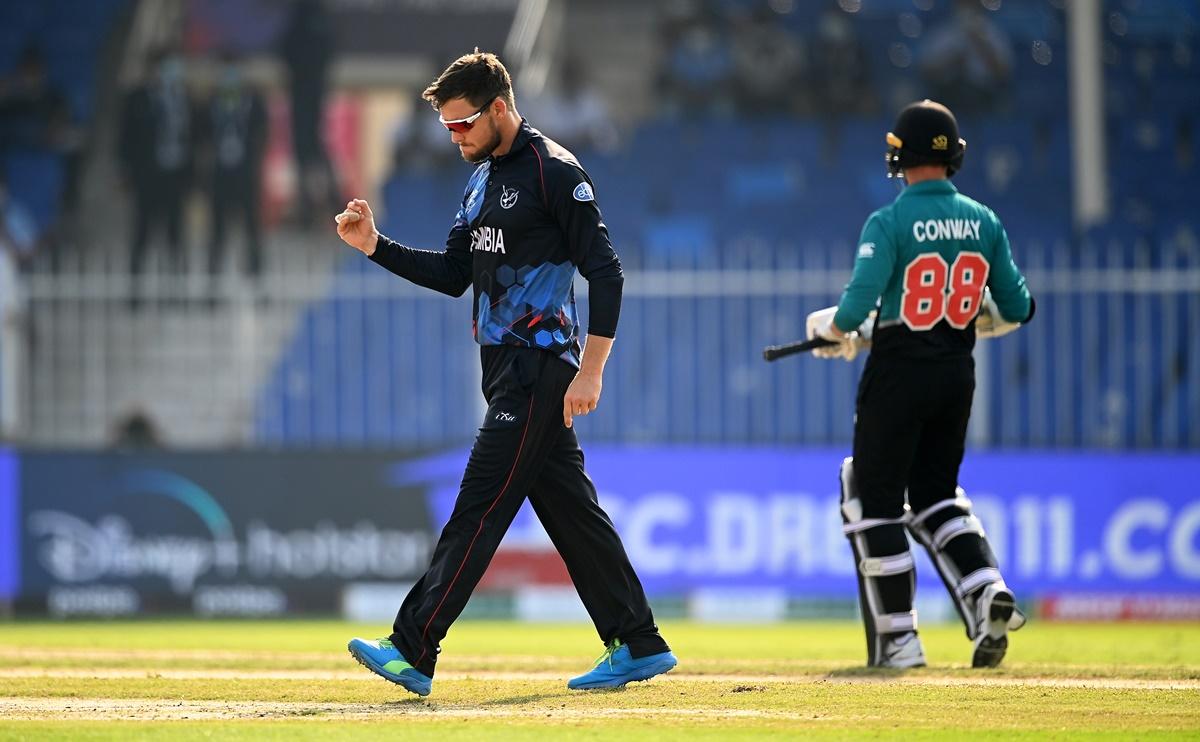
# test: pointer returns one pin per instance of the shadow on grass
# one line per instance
(870, 673)
(536, 697)
(406, 704)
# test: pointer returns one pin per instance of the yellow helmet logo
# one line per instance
(940, 142)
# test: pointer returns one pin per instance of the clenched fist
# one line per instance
(356, 226)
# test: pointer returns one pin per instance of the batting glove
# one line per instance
(820, 324)
(990, 323)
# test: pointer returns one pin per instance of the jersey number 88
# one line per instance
(928, 296)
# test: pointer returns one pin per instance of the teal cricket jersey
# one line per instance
(924, 259)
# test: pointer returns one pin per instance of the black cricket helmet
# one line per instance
(926, 133)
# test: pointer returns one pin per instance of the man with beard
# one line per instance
(527, 222)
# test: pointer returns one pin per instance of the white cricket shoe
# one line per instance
(903, 651)
(996, 614)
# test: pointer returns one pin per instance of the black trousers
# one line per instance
(524, 450)
(158, 199)
(910, 431)
(235, 197)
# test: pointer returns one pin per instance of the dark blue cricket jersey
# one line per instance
(527, 221)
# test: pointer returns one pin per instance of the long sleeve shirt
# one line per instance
(527, 221)
(925, 259)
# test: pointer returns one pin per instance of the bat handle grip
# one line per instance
(772, 352)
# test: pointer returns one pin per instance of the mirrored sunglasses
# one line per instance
(464, 125)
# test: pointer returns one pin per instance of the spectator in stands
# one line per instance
(698, 71)
(37, 135)
(419, 147)
(307, 48)
(419, 142)
(18, 229)
(839, 78)
(33, 113)
(768, 63)
(574, 110)
(235, 130)
(1185, 144)
(968, 61)
(16, 242)
(156, 143)
(137, 430)
(839, 74)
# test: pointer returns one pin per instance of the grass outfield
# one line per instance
(294, 680)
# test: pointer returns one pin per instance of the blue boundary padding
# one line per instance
(10, 543)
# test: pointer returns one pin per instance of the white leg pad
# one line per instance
(884, 566)
(976, 580)
(957, 527)
(936, 533)
(872, 568)
(891, 623)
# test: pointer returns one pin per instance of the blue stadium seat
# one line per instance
(780, 194)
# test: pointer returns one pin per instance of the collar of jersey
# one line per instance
(929, 186)
(524, 134)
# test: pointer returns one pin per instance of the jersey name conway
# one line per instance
(925, 259)
(946, 229)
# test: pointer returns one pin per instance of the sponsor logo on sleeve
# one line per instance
(583, 192)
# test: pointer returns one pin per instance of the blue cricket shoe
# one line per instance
(616, 667)
(382, 658)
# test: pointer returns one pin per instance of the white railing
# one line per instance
(367, 359)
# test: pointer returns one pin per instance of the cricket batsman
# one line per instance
(935, 268)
